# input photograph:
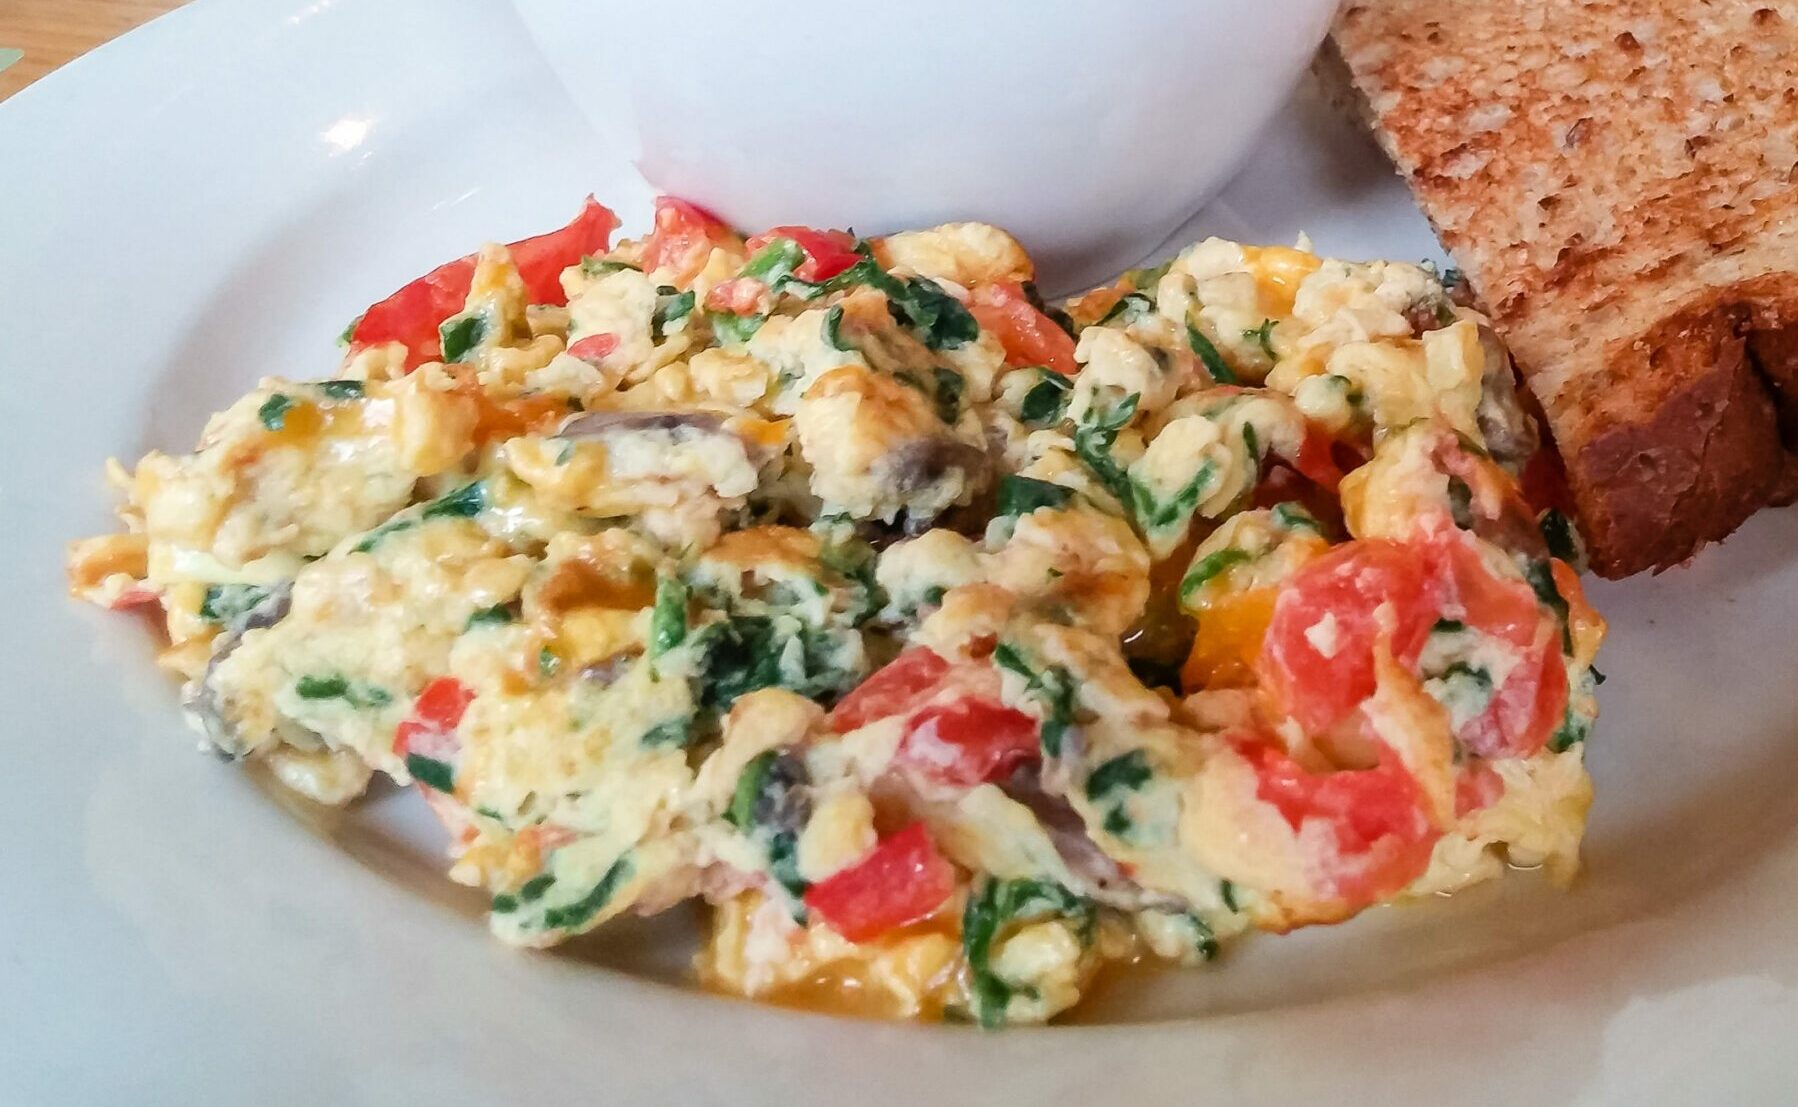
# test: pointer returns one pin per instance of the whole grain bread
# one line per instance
(1618, 180)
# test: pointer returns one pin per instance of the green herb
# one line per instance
(461, 334)
(1052, 687)
(349, 331)
(1293, 516)
(1047, 399)
(1220, 370)
(668, 623)
(1251, 443)
(1560, 534)
(1227, 892)
(994, 905)
(750, 785)
(730, 327)
(1448, 626)
(939, 318)
(503, 904)
(1093, 440)
(670, 311)
(949, 387)
(1147, 278)
(548, 664)
(498, 615)
(774, 263)
(341, 390)
(1212, 564)
(855, 561)
(1157, 516)
(225, 603)
(1541, 576)
(1129, 772)
(674, 732)
(599, 267)
(1264, 334)
(571, 915)
(833, 329)
(374, 537)
(1130, 308)
(464, 503)
(337, 687)
(535, 887)
(431, 772)
(273, 412)
(1022, 495)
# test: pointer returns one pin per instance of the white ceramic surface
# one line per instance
(212, 197)
(1090, 130)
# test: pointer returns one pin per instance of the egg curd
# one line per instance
(950, 646)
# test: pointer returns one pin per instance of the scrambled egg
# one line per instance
(790, 574)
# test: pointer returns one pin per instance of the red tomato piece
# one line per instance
(1477, 787)
(1317, 459)
(827, 253)
(1525, 710)
(412, 315)
(1028, 336)
(683, 238)
(892, 690)
(739, 296)
(594, 347)
(969, 742)
(901, 880)
(430, 730)
(1378, 824)
(1503, 608)
(135, 596)
(1318, 658)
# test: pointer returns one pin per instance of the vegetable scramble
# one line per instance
(947, 644)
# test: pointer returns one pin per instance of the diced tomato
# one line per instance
(1379, 826)
(1028, 336)
(412, 315)
(683, 239)
(1506, 609)
(1477, 787)
(892, 690)
(968, 742)
(1318, 658)
(739, 296)
(430, 731)
(1544, 482)
(1317, 459)
(902, 880)
(594, 347)
(136, 596)
(827, 253)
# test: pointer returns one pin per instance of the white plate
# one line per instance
(213, 197)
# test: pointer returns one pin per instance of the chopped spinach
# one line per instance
(1541, 576)
(464, 503)
(770, 804)
(1561, 535)
(1129, 309)
(599, 267)
(994, 905)
(671, 308)
(1093, 439)
(498, 615)
(349, 331)
(833, 329)
(668, 623)
(1022, 495)
(1128, 772)
(1147, 278)
(1211, 565)
(571, 915)
(226, 603)
(461, 334)
(341, 390)
(338, 687)
(273, 412)
(940, 319)
(1053, 687)
(1264, 335)
(730, 327)
(431, 772)
(374, 537)
(1293, 516)
(1214, 362)
(1047, 399)
(674, 732)
(548, 664)
(1156, 515)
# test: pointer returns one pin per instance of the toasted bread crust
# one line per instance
(1617, 179)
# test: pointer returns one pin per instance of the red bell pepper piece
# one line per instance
(969, 742)
(827, 253)
(683, 238)
(901, 880)
(430, 731)
(892, 689)
(412, 315)
(1028, 336)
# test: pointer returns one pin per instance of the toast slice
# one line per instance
(1618, 180)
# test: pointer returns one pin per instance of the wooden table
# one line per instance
(51, 32)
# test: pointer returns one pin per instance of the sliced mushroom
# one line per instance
(203, 698)
(1510, 433)
(597, 424)
(1105, 878)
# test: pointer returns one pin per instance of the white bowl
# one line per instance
(1091, 131)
